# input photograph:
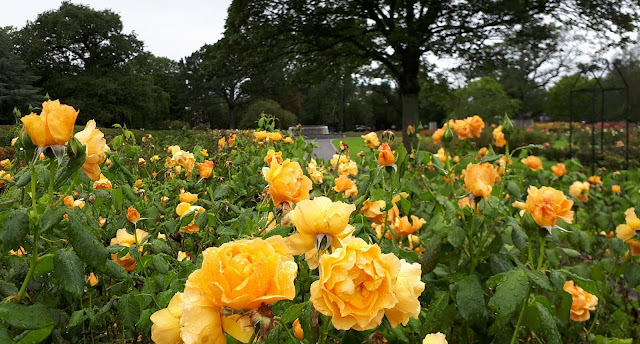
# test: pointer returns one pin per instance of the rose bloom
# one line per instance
(627, 231)
(343, 159)
(437, 136)
(502, 165)
(343, 184)
(580, 190)
(92, 279)
(133, 215)
(312, 166)
(559, 170)
(173, 149)
(287, 182)
(275, 136)
(595, 180)
(373, 210)
(386, 157)
(316, 219)
(582, 302)
(205, 168)
(185, 208)
(547, 205)
(271, 155)
(371, 140)
(5, 175)
(403, 227)
(317, 177)
(480, 178)
(358, 285)
(435, 338)
(349, 168)
(287, 140)
(188, 197)
(123, 238)
(615, 189)
(260, 135)
(475, 124)
(71, 203)
(166, 322)
(498, 136)
(183, 159)
(533, 162)
(222, 142)
(53, 126)
(102, 183)
(482, 152)
(94, 141)
(461, 128)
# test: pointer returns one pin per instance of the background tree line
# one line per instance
(344, 63)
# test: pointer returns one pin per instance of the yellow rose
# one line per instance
(373, 210)
(437, 136)
(166, 322)
(582, 302)
(274, 136)
(344, 184)
(595, 180)
(386, 157)
(94, 141)
(559, 170)
(54, 126)
(532, 162)
(316, 219)
(480, 178)
(260, 135)
(343, 159)
(102, 183)
(297, 330)
(317, 177)
(287, 183)
(435, 338)
(349, 168)
(580, 190)
(615, 189)
(205, 168)
(188, 197)
(183, 159)
(547, 205)
(403, 227)
(92, 279)
(371, 140)
(244, 274)
(498, 136)
(358, 285)
(627, 231)
(123, 238)
(271, 155)
(185, 208)
(221, 143)
(173, 149)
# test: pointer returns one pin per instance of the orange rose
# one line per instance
(102, 183)
(316, 219)
(498, 136)
(123, 238)
(533, 162)
(482, 152)
(475, 125)
(437, 136)
(615, 189)
(222, 142)
(244, 274)
(343, 159)
(231, 140)
(559, 170)
(386, 157)
(480, 178)
(349, 168)
(188, 197)
(275, 136)
(403, 227)
(271, 154)
(205, 168)
(461, 128)
(356, 295)
(133, 215)
(71, 203)
(547, 205)
(260, 135)
(580, 190)
(595, 180)
(287, 182)
(346, 185)
(626, 231)
(435, 338)
(297, 330)
(582, 302)
(373, 210)
(53, 126)
(371, 140)
(94, 141)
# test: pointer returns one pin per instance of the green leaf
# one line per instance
(85, 244)
(281, 230)
(51, 218)
(25, 317)
(548, 327)
(77, 318)
(455, 236)
(491, 158)
(539, 279)
(14, 229)
(221, 191)
(69, 271)
(519, 237)
(510, 293)
(433, 314)
(470, 298)
(36, 336)
(44, 266)
(5, 336)
(632, 275)
(438, 165)
(128, 310)
(293, 312)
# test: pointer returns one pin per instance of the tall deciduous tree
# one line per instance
(399, 33)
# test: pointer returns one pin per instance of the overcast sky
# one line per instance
(170, 28)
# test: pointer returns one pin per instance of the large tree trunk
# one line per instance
(409, 90)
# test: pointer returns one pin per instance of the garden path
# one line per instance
(326, 149)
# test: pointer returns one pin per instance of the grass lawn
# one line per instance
(356, 144)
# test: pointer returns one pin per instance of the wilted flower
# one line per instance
(183, 255)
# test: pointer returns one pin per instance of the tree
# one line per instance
(16, 90)
(166, 74)
(556, 103)
(399, 33)
(485, 98)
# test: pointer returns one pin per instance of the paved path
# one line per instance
(326, 149)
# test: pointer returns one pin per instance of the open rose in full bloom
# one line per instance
(559, 170)
(582, 302)
(371, 140)
(287, 182)
(205, 168)
(359, 285)
(435, 338)
(532, 162)
(94, 141)
(580, 190)
(626, 231)
(54, 125)
(480, 178)
(547, 205)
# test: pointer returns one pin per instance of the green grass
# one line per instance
(356, 144)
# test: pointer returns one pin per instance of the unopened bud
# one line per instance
(75, 148)
(448, 134)
(507, 126)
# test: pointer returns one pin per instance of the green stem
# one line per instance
(52, 176)
(541, 257)
(286, 328)
(324, 331)
(34, 255)
(520, 317)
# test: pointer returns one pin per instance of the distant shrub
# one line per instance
(251, 115)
